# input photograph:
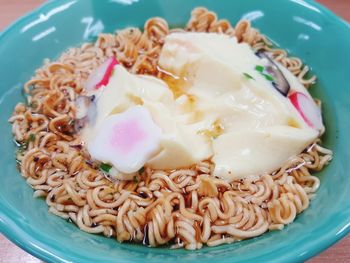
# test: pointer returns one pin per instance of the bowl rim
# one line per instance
(19, 236)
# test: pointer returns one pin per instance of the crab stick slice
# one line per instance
(308, 109)
(100, 76)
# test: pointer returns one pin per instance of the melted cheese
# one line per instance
(259, 128)
(209, 109)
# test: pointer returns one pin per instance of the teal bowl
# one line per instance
(304, 28)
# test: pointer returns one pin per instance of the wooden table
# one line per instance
(12, 9)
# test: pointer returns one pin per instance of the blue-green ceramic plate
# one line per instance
(305, 28)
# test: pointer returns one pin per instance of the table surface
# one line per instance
(13, 9)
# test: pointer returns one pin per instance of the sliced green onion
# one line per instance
(141, 170)
(268, 77)
(31, 137)
(105, 167)
(33, 105)
(23, 147)
(259, 68)
(247, 75)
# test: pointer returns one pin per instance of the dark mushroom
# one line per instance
(85, 111)
(82, 104)
(280, 82)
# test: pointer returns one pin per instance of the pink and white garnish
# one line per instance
(308, 109)
(126, 140)
(100, 76)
